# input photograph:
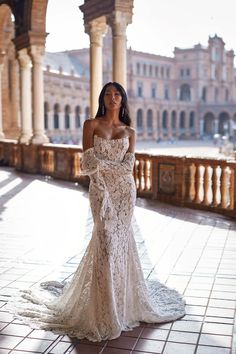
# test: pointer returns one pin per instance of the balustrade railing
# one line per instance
(201, 183)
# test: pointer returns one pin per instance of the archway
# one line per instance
(208, 124)
(224, 123)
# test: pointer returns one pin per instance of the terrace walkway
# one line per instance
(44, 228)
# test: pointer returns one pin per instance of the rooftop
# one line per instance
(45, 227)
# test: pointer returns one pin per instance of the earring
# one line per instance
(103, 110)
(122, 112)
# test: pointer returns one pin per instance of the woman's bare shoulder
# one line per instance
(131, 131)
(90, 123)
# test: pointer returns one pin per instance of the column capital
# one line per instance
(119, 21)
(23, 58)
(36, 53)
(96, 29)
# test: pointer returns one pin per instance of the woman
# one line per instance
(108, 293)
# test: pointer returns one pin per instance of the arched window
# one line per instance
(138, 69)
(56, 110)
(149, 120)
(173, 120)
(185, 93)
(144, 69)
(182, 120)
(164, 120)
(192, 120)
(204, 94)
(226, 95)
(46, 109)
(87, 112)
(150, 70)
(139, 120)
(77, 117)
(67, 117)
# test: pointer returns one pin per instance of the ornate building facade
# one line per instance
(189, 96)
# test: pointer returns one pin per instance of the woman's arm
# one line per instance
(88, 131)
(132, 140)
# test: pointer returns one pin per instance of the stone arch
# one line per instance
(5, 21)
(208, 124)
(224, 123)
(185, 92)
(38, 15)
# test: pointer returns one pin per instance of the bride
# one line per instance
(108, 293)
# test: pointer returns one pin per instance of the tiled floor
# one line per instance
(44, 228)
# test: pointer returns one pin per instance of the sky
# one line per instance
(158, 25)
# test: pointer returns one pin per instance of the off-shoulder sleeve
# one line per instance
(89, 163)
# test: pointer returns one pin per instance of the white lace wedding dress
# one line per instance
(108, 293)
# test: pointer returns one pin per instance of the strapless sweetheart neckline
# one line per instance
(100, 137)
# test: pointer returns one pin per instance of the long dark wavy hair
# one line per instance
(124, 114)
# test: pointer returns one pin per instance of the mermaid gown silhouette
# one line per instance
(108, 293)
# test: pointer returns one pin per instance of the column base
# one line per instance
(24, 138)
(39, 139)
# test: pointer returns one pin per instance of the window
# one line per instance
(153, 90)
(67, 117)
(138, 69)
(166, 92)
(204, 94)
(182, 120)
(164, 120)
(149, 119)
(150, 70)
(185, 93)
(56, 110)
(140, 89)
(139, 120)
(191, 120)
(156, 71)
(144, 69)
(77, 117)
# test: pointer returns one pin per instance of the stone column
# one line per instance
(186, 124)
(2, 55)
(25, 95)
(36, 53)
(96, 29)
(169, 126)
(118, 22)
(14, 97)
